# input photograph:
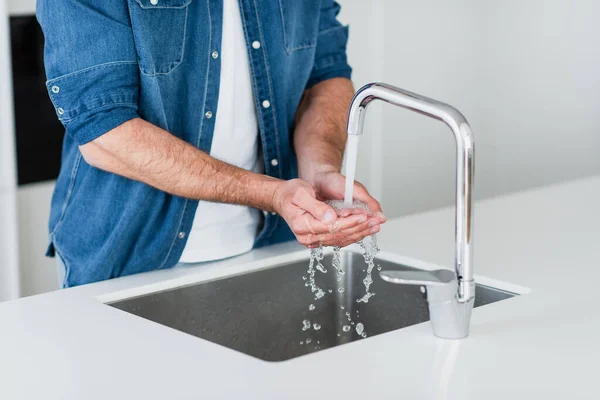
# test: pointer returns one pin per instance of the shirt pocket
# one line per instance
(159, 30)
(300, 23)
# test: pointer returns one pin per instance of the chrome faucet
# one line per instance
(450, 294)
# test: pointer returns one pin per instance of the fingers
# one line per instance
(361, 193)
(319, 210)
(307, 224)
(357, 237)
(352, 211)
(343, 237)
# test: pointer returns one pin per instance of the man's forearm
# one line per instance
(320, 134)
(141, 151)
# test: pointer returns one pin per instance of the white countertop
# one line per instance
(545, 344)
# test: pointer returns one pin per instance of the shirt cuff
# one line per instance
(92, 101)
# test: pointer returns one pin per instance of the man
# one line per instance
(183, 119)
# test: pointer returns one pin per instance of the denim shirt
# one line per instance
(113, 60)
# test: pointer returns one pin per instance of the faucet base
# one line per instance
(450, 319)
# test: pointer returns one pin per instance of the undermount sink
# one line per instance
(261, 313)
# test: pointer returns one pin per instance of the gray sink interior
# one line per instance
(260, 313)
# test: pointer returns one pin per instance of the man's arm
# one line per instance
(320, 139)
(144, 152)
(141, 151)
(320, 135)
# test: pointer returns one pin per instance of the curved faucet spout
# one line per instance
(464, 165)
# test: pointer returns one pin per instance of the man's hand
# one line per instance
(314, 222)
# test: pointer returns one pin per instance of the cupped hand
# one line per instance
(332, 184)
(314, 222)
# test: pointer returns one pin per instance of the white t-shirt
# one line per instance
(225, 230)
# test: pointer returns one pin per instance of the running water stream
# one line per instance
(351, 155)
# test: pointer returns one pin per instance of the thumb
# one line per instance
(318, 209)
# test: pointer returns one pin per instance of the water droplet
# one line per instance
(305, 325)
(365, 298)
(308, 340)
(352, 323)
(378, 268)
(311, 307)
(304, 277)
(321, 268)
(302, 342)
(342, 307)
(364, 335)
(346, 328)
(317, 327)
(318, 342)
(339, 335)
(330, 291)
(360, 328)
(347, 313)
(341, 290)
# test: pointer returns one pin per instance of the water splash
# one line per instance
(316, 256)
(305, 325)
(336, 262)
(370, 250)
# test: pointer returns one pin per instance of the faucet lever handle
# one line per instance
(441, 284)
(440, 277)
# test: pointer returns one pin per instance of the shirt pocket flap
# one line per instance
(158, 4)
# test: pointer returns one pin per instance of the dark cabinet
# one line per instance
(39, 134)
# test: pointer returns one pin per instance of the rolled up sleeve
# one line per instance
(91, 65)
(330, 58)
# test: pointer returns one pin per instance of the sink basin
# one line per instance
(261, 313)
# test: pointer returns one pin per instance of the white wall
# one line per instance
(18, 7)
(38, 272)
(525, 74)
(9, 272)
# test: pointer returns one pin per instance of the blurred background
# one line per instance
(524, 73)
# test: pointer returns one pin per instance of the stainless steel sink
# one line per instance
(261, 313)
